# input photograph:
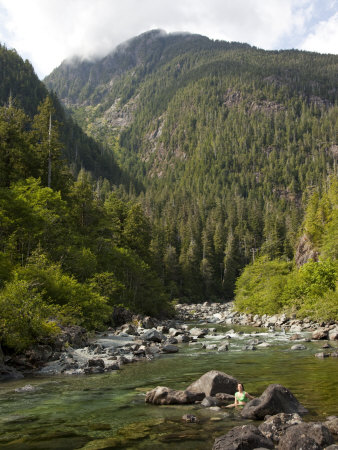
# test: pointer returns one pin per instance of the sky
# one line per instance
(48, 31)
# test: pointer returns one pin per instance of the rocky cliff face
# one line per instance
(305, 251)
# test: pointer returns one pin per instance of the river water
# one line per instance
(108, 411)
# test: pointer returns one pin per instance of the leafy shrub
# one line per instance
(260, 287)
(24, 316)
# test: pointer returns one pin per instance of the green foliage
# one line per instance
(86, 307)
(306, 289)
(260, 287)
(310, 290)
(24, 317)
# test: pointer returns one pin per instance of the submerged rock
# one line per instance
(274, 400)
(27, 388)
(190, 418)
(169, 348)
(165, 396)
(211, 401)
(298, 347)
(244, 437)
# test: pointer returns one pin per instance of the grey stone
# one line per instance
(223, 348)
(214, 382)
(311, 435)
(162, 395)
(321, 333)
(298, 347)
(243, 437)
(169, 348)
(274, 400)
(199, 332)
(332, 424)
(209, 401)
(153, 336)
(275, 426)
(211, 347)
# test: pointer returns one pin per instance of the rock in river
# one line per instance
(275, 399)
(152, 335)
(243, 437)
(164, 396)
(312, 435)
(275, 426)
(170, 348)
(214, 382)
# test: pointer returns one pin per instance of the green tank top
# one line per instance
(241, 397)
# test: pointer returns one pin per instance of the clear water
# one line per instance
(108, 411)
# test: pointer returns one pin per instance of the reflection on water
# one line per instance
(108, 410)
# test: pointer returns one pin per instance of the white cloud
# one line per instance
(324, 39)
(48, 31)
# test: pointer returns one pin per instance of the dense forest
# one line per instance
(226, 144)
(177, 163)
(20, 86)
(70, 249)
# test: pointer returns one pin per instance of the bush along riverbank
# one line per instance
(140, 338)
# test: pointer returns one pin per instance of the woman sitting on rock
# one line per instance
(241, 397)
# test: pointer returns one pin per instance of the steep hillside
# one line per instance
(20, 85)
(227, 140)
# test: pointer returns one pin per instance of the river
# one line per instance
(108, 411)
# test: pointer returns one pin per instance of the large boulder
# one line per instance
(214, 382)
(153, 336)
(275, 426)
(311, 435)
(274, 400)
(243, 437)
(164, 396)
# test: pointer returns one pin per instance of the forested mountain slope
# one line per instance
(227, 140)
(20, 86)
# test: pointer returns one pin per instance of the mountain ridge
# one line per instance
(227, 141)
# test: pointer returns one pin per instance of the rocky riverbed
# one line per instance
(282, 413)
(146, 338)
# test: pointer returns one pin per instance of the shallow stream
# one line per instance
(108, 410)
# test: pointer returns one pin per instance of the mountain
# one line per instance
(227, 142)
(19, 84)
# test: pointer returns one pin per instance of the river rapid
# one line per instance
(108, 410)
